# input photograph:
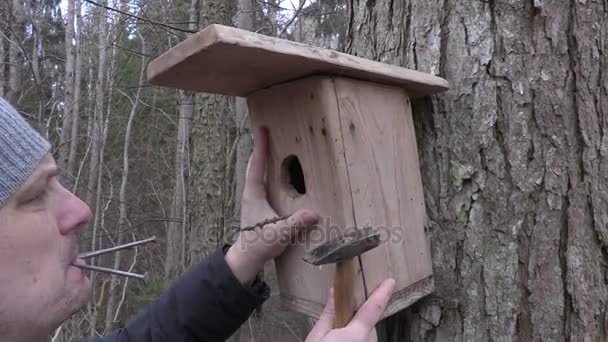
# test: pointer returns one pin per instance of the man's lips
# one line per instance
(75, 257)
(79, 261)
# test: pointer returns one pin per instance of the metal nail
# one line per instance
(87, 255)
(145, 277)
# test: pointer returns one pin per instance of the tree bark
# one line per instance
(210, 135)
(123, 219)
(69, 88)
(244, 135)
(75, 129)
(177, 232)
(512, 164)
(14, 55)
(97, 123)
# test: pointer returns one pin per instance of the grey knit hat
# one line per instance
(21, 150)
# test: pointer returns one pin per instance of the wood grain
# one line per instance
(384, 174)
(407, 296)
(355, 141)
(229, 61)
(344, 292)
(302, 118)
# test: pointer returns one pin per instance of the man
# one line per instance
(39, 287)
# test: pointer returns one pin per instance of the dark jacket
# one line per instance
(206, 304)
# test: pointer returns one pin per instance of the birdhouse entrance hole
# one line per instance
(293, 176)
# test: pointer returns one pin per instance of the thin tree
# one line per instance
(69, 88)
(245, 142)
(75, 117)
(97, 123)
(122, 220)
(14, 56)
(177, 232)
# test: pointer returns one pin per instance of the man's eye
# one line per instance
(38, 198)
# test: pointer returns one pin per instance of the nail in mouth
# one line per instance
(74, 257)
(79, 260)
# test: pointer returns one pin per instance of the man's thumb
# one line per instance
(326, 321)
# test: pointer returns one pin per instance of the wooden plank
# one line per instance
(384, 173)
(409, 295)
(399, 300)
(311, 131)
(229, 61)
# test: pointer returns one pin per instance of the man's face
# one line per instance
(39, 288)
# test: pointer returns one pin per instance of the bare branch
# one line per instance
(135, 226)
(295, 16)
(150, 21)
(133, 52)
(124, 288)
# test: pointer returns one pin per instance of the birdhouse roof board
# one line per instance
(229, 61)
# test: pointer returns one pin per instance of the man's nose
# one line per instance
(74, 214)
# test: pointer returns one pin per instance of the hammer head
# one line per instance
(348, 246)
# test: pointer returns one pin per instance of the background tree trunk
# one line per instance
(94, 181)
(177, 232)
(244, 20)
(14, 55)
(75, 118)
(211, 137)
(69, 88)
(123, 222)
(512, 164)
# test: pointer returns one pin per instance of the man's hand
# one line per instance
(361, 326)
(253, 248)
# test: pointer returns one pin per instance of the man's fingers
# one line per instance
(372, 310)
(256, 168)
(325, 322)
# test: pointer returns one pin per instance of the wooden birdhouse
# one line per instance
(342, 142)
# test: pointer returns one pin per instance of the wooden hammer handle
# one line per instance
(344, 292)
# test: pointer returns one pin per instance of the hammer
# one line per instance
(343, 251)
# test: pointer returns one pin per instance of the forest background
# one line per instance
(512, 157)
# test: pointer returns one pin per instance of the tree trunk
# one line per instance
(14, 55)
(244, 20)
(208, 194)
(94, 175)
(75, 129)
(34, 9)
(123, 220)
(210, 129)
(68, 98)
(97, 123)
(512, 164)
(175, 261)
(176, 231)
(245, 142)
(37, 53)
